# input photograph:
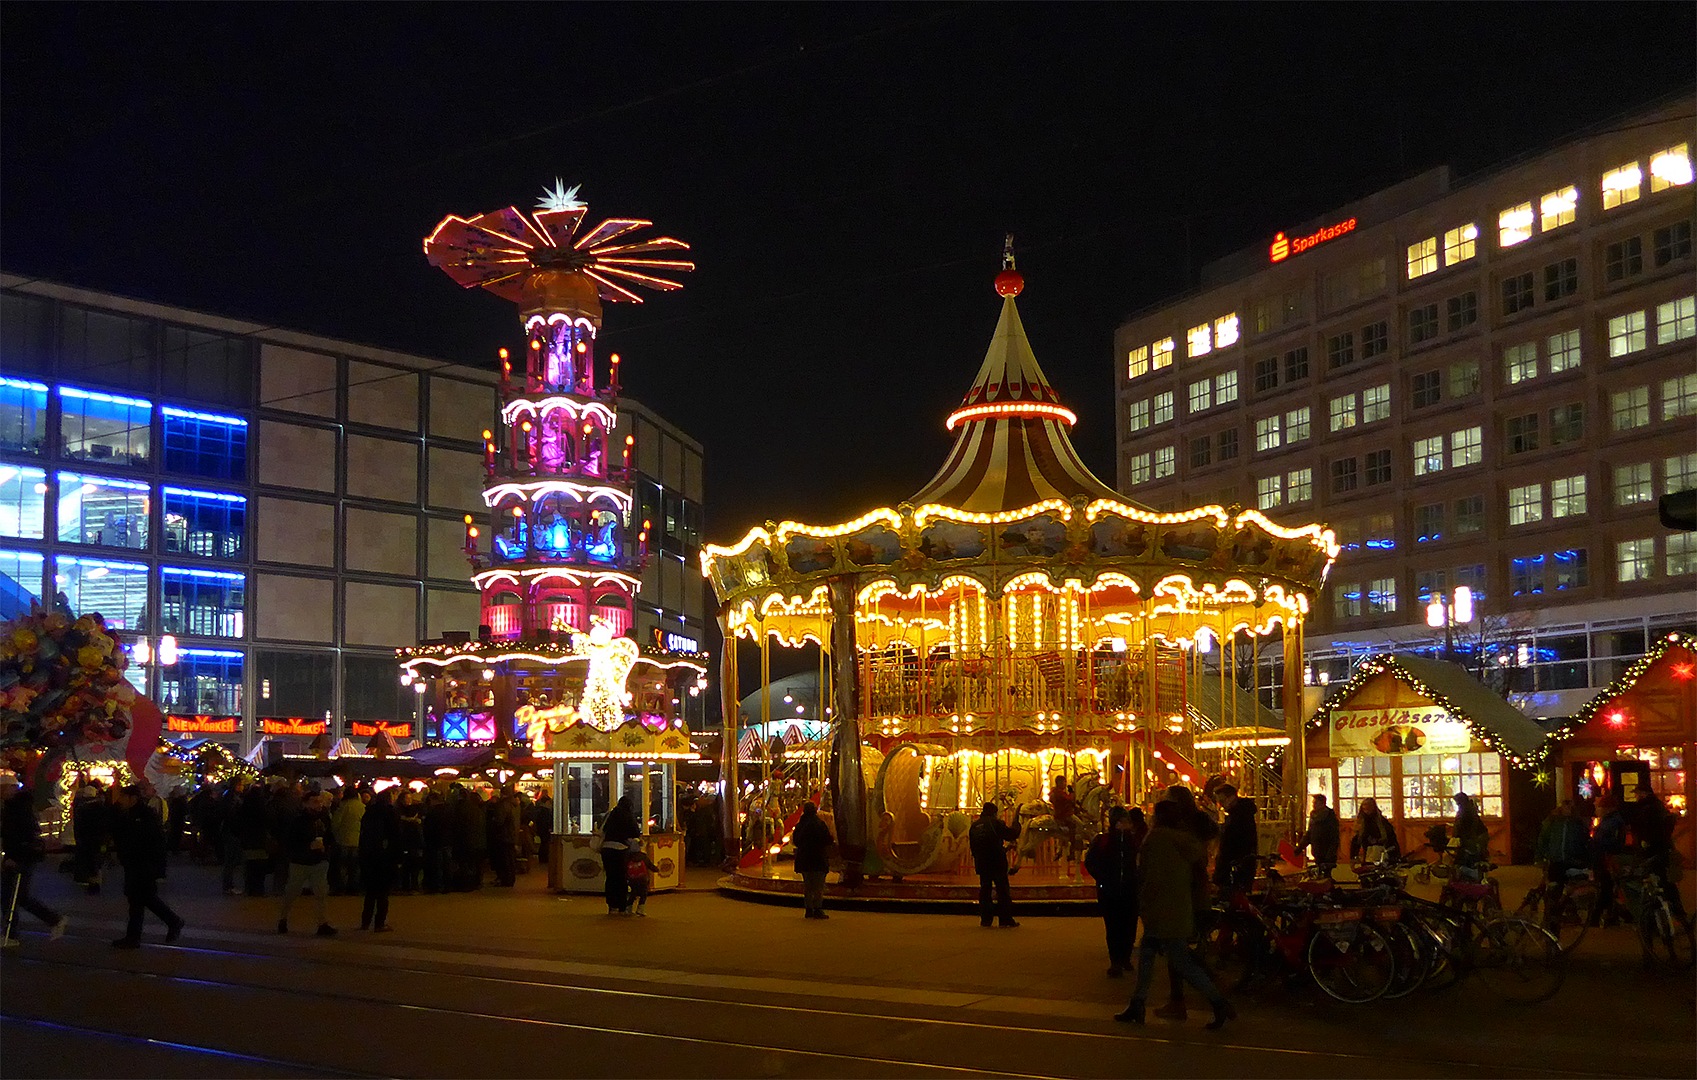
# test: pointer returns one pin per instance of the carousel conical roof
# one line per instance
(1011, 447)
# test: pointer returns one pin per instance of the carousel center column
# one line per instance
(848, 783)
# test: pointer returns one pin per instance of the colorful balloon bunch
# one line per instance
(61, 681)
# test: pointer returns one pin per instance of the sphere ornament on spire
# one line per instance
(1010, 282)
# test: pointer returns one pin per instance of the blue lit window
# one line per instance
(116, 590)
(106, 428)
(104, 511)
(23, 497)
(20, 582)
(204, 444)
(203, 681)
(212, 524)
(203, 603)
(23, 416)
(1526, 576)
(1572, 568)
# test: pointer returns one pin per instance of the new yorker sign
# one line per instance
(1283, 249)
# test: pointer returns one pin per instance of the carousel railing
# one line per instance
(999, 681)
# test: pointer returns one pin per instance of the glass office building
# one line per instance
(287, 508)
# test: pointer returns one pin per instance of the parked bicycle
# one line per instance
(1664, 938)
(1563, 907)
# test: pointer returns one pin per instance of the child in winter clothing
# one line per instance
(640, 869)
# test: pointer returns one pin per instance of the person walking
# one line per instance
(253, 832)
(21, 850)
(1322, 837)
(139, 836)
(226, 829)
(1201, 825)
(504, 839)
(344, 824)
(1375, 837)
(640, 869)
(543, 822)
(812, 839)
(1172, 867)
(989, 838)
(307, 844)
(411, 812)
(1608, 843)
(91, 824)
(1240, 842)
(1472, 837)
(379, 852)
(1112, 862)
(618, 828)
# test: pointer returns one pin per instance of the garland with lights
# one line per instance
(1385, 663)
(1577, 723)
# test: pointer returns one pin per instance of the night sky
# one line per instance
(845, 174)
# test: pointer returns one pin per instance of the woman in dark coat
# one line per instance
(379, 852)
(1112, 862)
(812, 839)
(617, 829)
(1234, 865)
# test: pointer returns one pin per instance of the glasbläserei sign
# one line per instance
(1387, 732)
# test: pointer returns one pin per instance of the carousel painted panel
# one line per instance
(575, 863)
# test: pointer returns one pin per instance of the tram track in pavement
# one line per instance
(1294, 1060)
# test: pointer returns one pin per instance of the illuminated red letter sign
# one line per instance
(1283, 249)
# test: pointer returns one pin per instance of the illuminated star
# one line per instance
(559, 197)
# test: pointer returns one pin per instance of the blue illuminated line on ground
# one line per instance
(169, 1044)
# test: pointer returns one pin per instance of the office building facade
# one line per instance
(285, 509)
(1485, 384)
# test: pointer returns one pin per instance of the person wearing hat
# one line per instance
(20, 850)
(139, 835)
(988, 839)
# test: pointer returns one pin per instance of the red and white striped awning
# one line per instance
(1011, 447)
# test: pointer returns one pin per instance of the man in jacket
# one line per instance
(989, 838)
(812, 840)
(1234, 864)
(1322, 836)
(139, 836)
(1172, 866)
(345, 825)
(21, 847)
(1112, 862)
(307, 844)
(379, 851)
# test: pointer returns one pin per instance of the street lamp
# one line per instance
(1447, 612)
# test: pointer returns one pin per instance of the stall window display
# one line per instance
(1430, 783)
(1360, 779)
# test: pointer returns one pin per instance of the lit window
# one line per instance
(1163, 407)
(1267, 433)
(1467, 447)
(104, 428)
(1340, 412)
(1567, 496)
(118, 590)
(204, 444)
(1139, 470)
(1422, 257)
(1514, 225)
(1376, 403)
(212, 524)
(1201, 340)
(1225, 331)
(1201, 395)
(1626, 333)
(1563, 351)
(1632, 484)
(20, 576)
(1346, 601)
(1428, 455)
(1137, 362)
(1676, 320)
(1459, 243)
(1572, 570)
(1679, 396)
(1556, 209)
(23, 416)
(1670, 168)
(1630, 408)
(1299, 485)
(1429, 782)
(1225, 387)
(1166, 461)
(205, 681)
(1138, 418)
(1381, 596)
(1634, 559)
(204, 603)
(1296, 425)
(1682, 554)
(1526, 575)
(1525, 504)
(1269, 492)
(1161, 354)
(1520, 362)
(101, 510)
(1622, 185)
(1679, 473)
(23, 503)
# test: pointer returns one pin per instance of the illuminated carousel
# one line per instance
(554, 685)
(1013, 624)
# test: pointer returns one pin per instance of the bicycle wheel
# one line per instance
(1354, 963)
(1567, 923)
(1519, 961)
(1664, 940)
(1413, 959)
(1442, 938)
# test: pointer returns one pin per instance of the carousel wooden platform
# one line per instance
(1036, 890)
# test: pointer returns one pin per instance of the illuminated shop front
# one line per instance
(1016, 621)
(554, 682)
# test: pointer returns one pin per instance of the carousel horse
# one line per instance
(1038, 824)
